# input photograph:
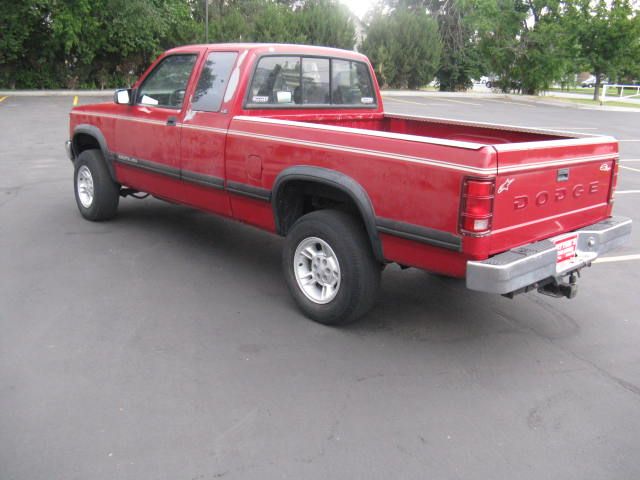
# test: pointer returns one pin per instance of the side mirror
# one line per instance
(123, 96)
(177, 97)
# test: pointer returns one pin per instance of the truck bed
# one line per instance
(546, 182)
(446, 129)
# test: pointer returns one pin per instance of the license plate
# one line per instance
(566, 247)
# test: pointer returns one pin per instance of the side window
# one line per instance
(166, 84)
(276, 81)
(351, 83)
(213, 81)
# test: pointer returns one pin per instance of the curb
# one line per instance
(559, 102)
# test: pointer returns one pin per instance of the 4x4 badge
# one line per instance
(605, 167)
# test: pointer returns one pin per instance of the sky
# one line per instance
(359, 7)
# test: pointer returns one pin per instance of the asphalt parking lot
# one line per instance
(164, 344)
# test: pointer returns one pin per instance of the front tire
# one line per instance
(329, 267)
(97, 195)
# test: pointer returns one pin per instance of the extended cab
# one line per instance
(295, 140)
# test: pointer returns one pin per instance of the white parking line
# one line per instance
(622, 258)
(622, 192)
(439, 101)
(459, 101)
(520, 104)
(565, 128)
(393, 99)
(630, 160)
(629, 168)
(630, 140)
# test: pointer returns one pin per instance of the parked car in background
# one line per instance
(591, 82)
(481, 81)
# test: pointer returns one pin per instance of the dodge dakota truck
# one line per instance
(294, 140)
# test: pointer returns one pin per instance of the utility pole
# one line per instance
(206, 21)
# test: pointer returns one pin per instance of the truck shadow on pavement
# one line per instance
(412, 304)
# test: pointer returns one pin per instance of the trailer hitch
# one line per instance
(559, 288)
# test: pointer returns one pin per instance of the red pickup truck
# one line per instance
(295, 140)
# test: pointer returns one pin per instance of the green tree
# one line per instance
(129, 34)
(28, 53)
(87, 43)
(316, 22)
(607, 35)
(327, 23)
(275, 24)
(546, 54)
(460, 61)
(524, 42)
(404, 47)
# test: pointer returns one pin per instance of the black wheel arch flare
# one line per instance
(333, 179)
(84, 130)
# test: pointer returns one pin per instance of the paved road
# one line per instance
(164, 345)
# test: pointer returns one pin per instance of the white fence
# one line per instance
(632, 91)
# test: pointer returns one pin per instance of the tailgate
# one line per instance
(550, 187)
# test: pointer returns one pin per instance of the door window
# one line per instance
(213, 81)
(166, 84)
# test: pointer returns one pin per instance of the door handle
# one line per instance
(171, 121)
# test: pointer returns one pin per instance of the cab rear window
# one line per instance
(293, 82)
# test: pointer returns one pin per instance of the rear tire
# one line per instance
(329, 267)
(97, 195)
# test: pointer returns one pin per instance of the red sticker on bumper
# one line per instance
(566, 247)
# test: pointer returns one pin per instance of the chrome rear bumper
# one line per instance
(527, 265)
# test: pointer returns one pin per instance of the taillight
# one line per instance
(476, 206)
(614, 179)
